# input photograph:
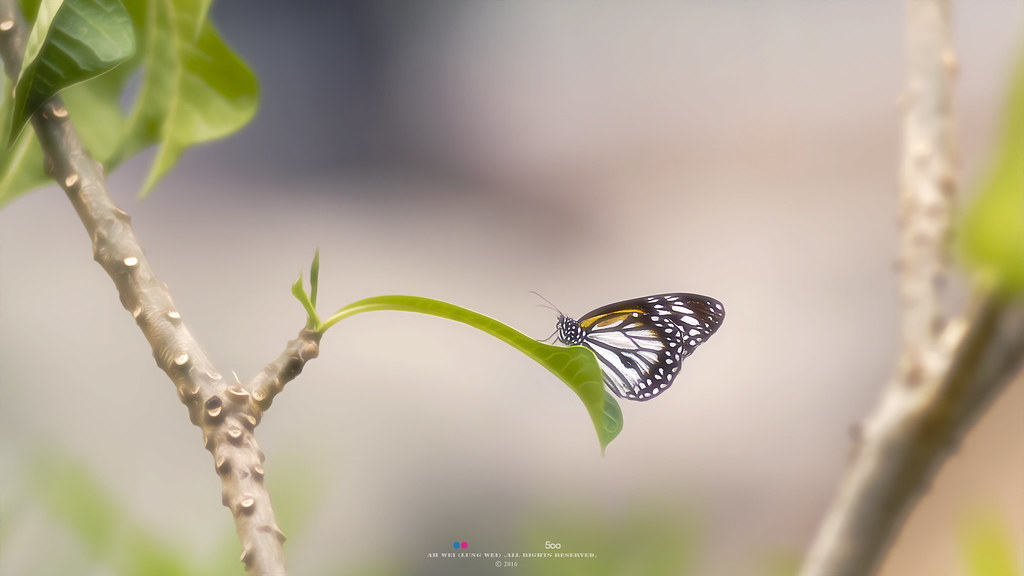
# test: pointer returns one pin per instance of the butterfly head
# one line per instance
(569, 331)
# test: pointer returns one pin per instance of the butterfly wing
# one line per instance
(640, 343)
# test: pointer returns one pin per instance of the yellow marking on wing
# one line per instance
(606, 319)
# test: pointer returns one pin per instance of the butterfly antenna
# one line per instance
(550, 305)
(549, 337)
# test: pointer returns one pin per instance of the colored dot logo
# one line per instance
(458, 545)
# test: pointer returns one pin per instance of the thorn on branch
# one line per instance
(214, 407)
(235, 434)
(250, 420)
(275, 530)
(259, 396)
(246, 505)
(222, 465)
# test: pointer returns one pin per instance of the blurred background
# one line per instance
(472, 152)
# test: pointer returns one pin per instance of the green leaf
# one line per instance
(29, 9)
(314, 277)
(108, 532)
(98, 120)
(71, 41)
(299, 291)
(575, 365)
(988, 548)
(21, 166)
(195, 88)
(645, 537)
(98, 115)
(299, 485)
(992, 239)
(42, 19)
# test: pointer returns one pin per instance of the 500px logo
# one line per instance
(552, 545)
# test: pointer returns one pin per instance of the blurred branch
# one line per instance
(928, 177)
(914, 428)
(224, 413)
(948, 371)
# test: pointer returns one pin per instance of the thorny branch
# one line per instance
(948, 371)
(226, 414)
(271, 380)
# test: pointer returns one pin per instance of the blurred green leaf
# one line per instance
(784, 564)
(21, 165)
(98, 120)
(989, 550)
(298, 486)
(193, 89)
(74, 496)
(99, 117)
(29, 9)
(992, 238)
(575, 365)
(70, 42)
(649, 541)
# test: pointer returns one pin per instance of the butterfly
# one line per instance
(640, 343)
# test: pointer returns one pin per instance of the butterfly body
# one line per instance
(640, 343)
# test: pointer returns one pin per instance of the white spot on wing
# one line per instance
(648, 355)
(613, 339)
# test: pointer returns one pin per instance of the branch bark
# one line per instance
(909, 435)
(271, 380)
(928, 175)
(226, 414)
(948, 371)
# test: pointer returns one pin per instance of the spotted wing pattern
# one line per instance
(640, 343)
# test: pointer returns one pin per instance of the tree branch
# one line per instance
(928, 175)
(948, 371)
(271, 380)
(226, 414)
(910, 434)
